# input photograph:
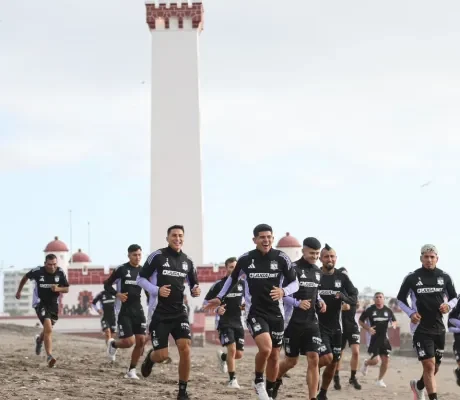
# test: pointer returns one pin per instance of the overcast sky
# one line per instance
(319, 118)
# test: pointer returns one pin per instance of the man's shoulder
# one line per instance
(243, 258)
(156, 255)
(281, 255)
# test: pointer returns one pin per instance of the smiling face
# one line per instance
(310, 255)
(264, 241)
(328, 259)
(176, 239)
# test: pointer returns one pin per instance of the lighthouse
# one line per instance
(176, 179)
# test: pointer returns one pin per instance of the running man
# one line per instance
(351, 335)
(265, 269)
(163, 276)
(379, 317)
(229, 323)
(335, 289)
(428, 286)
(50, 282)
(454, 327)
(302, 335)
(104, 305)
(130, 314)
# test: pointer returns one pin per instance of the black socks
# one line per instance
(182, 387)
(259, 377)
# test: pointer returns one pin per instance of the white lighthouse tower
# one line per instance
(176, 189)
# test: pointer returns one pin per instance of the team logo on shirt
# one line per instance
(338, 284)
(240, 288)
(303, 275)
(386, 314)
(274, 265)
(128, 274)
(166, 264)
(440, 281)
(42, 279)
(252, 264)
(419, 283)
(185, 266)
(56, 279)
(317, 276)
(374, 314)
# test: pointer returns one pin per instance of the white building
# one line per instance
(11, 305)
(176, 179)
(291, 246)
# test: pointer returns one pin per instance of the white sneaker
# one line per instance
(222, 364)
(380, 383)
(418, 394)
(131, 374)
(261, 391)
(111, 351)
(233, 384)
(364, 368)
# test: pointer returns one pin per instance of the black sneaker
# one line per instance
(321, 396)
(51, 361)
(147, 365)
(457, 374)
(337, 385)
(183, 396)
(38, 345)
(278, 384)
(354, 382)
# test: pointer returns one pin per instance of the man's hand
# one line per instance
(122, 296)
(371, 330)
(305, 304)
(213, 303)
(276, 293)
(100, 312)
(322, 307)
(415, 318)
(338, 295)
(221, 309)
(243, 307)
(196, 291)
(345, 307)
(394, 324)
(445, 308)
(18, 295)
(165, 291)
(54, 288)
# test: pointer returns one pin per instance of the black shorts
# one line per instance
(457, 347)
(429, 346)
(160, 329)
(229, 336)
(351, 336)
(301, 340)
(272, 325)
(129, 325)
(109, 323)
(332, 343)
(47, 311)
(379, 346)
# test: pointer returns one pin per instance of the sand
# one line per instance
(82, 372)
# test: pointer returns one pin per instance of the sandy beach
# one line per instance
(83, 372)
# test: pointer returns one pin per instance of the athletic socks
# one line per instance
(353, 375)
(113, 344)
(231, 375)
(259, 377)
(420, 384)
(132, 366)
(433, 396)
(223, 356)
(182, 387)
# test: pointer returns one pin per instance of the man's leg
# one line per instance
(47, 332)
(354, 366)
(384, 365)
(337, 385)
(334, 342)
(312, 373)
(183, 346)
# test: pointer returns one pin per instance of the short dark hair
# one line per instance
(262, 228)
(312, 243)
(176, 227)
(378, 293)
(230, 260)
(133, 248)
(50, 257)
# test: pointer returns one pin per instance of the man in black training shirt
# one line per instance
(379, 317)
(351, 335)
(50, 282)
(104, 304)
(335, 288)
(163, 276)
(266, 269)
(428, 285)
(302, 335)
(454, 327)
(228, 323)
(130, 314)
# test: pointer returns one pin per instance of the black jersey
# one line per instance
(44, 281)
(263, 272)
(124, 277)
(233, 303)
(378, 318)
(428, 287)
(335, 289)
(105, 301)
(167, 267)
(309, 277)
(454, 321)
(349, 319)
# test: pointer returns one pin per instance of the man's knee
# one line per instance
(129, 341)
(429, 365)
(355, 350)
(231, 350)
(312, 359)
(385, 359)
(326, 359)
(183, 346)
(139, 340)
(238, 354)
(275, 354)
(264, 344)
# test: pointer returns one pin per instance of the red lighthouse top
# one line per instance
(56, 246)
(80, 257)
(288, 241)
(180, 11)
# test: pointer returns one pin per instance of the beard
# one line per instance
(329, 266)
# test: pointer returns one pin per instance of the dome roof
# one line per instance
(80, 257)
(56, 246)
(288, 241)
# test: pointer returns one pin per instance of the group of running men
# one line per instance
(296, 305)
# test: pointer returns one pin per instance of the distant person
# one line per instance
(229, 323)
(428, 285)
(104, 305)
(131, 319)
(50, 282)
(454, 327)
(379, 317)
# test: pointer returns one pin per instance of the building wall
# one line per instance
(10, 285)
